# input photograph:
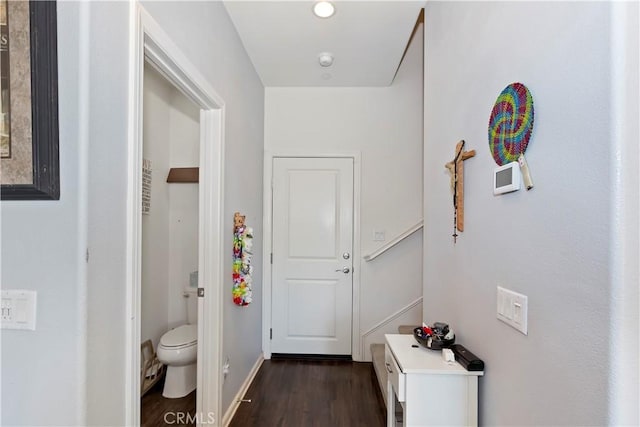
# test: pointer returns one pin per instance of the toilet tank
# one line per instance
(191, 295)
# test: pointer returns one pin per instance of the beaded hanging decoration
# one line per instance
(242, 269)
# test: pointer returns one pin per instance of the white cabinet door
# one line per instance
(312, 255)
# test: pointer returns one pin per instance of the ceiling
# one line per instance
(284, 39)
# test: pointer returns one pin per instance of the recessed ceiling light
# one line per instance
(324, 9)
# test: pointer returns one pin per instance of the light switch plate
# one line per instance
(19, 309)
(379, 236)
(512, 309)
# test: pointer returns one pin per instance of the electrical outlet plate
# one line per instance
(512, 309)
(19, 309)
(379, 236)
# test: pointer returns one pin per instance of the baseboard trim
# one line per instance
(312, 357)
(386, 321)
(235, 403)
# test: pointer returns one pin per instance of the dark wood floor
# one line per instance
(158, 411)
(301, 393)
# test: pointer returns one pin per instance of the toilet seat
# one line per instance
(180, 337)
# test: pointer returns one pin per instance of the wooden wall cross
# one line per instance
(456, 168)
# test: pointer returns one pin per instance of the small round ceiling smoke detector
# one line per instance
(325, 59)
(324, 9)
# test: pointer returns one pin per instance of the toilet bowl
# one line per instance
(178, 350)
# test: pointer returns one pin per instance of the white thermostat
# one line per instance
(506, 178)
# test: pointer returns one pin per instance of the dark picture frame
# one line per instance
(44, 108)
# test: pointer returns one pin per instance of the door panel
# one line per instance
(312, 228)
(303, 322)
(313, 231)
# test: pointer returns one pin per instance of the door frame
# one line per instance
(269, 155)
(150, 43)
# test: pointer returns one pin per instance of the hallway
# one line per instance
(312, 393)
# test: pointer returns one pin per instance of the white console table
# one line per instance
(430, 391)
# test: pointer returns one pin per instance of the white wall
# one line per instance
(170, 232)
(107, 126)
(205, 35)
(183, 251)
(385, 125)
(155, 226)
(184, 200)
(552, 243)
(43, 249)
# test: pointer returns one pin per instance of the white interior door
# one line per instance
(312, 278)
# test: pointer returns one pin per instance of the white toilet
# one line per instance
(178, 350)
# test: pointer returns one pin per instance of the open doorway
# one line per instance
(169, 252)
(153, 46)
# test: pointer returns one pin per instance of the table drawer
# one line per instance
(394, 374)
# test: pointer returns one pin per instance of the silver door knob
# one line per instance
(345, 270)
(346, 255)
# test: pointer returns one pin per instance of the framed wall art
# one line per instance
(29, 157)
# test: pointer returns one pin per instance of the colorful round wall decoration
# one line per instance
(511, 123)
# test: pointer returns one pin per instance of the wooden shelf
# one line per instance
(183, 175)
